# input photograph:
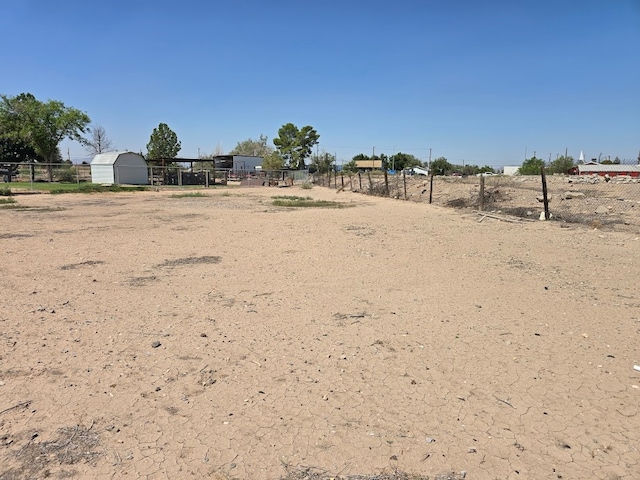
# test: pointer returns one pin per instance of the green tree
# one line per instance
(251, 147)
(400, 161)
(273, 161)
(441, 166)
(294, 145)
(350, 167)
(42, 125)
(17, 151)
(531, 166)
(323, 162)
(561, 164)
(163, 143)
(99, 142)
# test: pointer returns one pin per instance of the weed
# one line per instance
(189, 195)
(294, 201)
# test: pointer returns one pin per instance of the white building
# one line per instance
(511, 170)
(119, 168)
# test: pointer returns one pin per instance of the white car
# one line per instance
(485, 174)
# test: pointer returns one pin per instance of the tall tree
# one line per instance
(16, 151)
(251, 147)
(531, 166)
(400, 161)
(273, 161)
(99, 142)
(322, 162)
(163, 143)
(561, 164)
(294, 145)
(441, 166)
(42, 125)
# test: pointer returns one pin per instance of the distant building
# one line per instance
(238, 163)
(118, 168)
(510, 170)
(369, 164)
(607, 169)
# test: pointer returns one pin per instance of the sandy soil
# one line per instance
(149, 336)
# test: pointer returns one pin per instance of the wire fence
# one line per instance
(174, 175)
(600, 201)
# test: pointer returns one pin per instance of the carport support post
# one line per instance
(481, 197)
(544, 193)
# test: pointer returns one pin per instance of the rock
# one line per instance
(155, 344)
(540, 198)
(430, 440)
(602, 209)
(570, 195)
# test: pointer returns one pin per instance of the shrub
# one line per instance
(66, 175)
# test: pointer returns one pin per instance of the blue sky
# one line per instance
(479, 82)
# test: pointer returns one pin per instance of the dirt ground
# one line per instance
(143, 335)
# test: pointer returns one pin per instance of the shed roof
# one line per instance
(109, 158)
(599, 167)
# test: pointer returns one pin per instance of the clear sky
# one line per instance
(479, 82)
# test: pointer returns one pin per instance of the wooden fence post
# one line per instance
(370, 183)
(404, 180)
(360, 180)
(544, 193)
(431, 188)
(481, 197)
(386, 182)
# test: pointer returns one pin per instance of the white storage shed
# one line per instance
(119, 168)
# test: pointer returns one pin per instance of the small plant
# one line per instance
(5, 192)
(291, 197)
(294, 201)
(189, 195)
(66, 175)
(6, 201)
(307, 186)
